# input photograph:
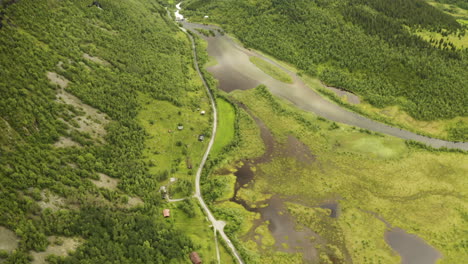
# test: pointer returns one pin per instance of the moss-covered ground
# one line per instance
(420, 191)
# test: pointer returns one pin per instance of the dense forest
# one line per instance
(105, 54)
(363, 46)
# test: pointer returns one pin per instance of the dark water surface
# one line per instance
(411, 248)
(334, 207)
(235, 71)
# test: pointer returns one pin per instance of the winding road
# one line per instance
(218, 225)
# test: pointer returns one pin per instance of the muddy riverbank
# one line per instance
(289, 236)
(234, 71)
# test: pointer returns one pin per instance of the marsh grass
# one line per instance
(271, 70)
(415, 189)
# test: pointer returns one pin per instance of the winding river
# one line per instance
(235, 71)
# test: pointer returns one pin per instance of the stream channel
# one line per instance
(234, 71)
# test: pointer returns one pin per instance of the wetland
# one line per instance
(303, 199)
(235, 71)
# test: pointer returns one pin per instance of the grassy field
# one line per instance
(170, 151)
(271, 70)
(198, 228)
(459, 42)
(163, 153)
(226, 119)
(451, 9)
(420, 191)
(463, 21)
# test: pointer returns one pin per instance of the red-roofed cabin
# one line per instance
(195, 258)
(166, 213)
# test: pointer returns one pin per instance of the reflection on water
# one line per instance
(334, 207)
(283, 229)
(235, 71)
(411, 248)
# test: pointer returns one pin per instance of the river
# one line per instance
(234, 71)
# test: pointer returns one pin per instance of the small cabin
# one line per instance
(201, 137)
(166, 213)
(180, 127)
(203, 112)
(95, 3)
(195, 258)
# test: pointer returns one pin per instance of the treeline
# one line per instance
(412, 13)
(392, 31)
(143, 55)
(352, 45)
(460, 3)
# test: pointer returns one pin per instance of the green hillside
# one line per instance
(369, 47)
(87, 96)
(102, 108)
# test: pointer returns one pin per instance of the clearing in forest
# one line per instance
(106, 182)
(90, 120)
(96, 59)
(51, 201)
(59, 246)
(8, 239)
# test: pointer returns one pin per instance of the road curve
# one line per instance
(217, 225)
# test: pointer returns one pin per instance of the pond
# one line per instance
(411, 248)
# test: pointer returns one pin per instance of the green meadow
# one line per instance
(226, 121)
(368, 174)
(189, 218)
(170, 152)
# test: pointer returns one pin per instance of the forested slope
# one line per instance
(70, 77)
(364, 46)
(460, 3)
